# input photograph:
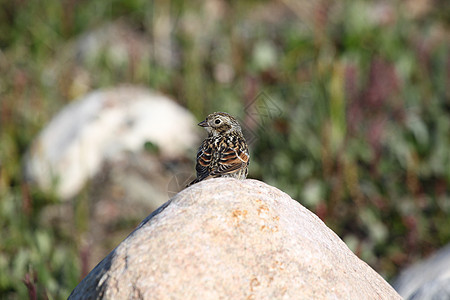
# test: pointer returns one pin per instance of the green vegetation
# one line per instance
(346, 107)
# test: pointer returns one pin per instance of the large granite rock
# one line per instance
(225, 238)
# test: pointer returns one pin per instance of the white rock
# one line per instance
(74, 145)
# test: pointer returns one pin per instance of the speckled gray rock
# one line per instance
(229, 239)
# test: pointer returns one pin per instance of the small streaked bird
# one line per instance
(224, 153)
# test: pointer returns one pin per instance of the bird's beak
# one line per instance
(203, 124)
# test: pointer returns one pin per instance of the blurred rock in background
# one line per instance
(101, 128)
(118, 47)
(429, 279)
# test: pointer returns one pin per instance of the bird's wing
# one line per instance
(233, 156)
(215, 159)
(204, 156)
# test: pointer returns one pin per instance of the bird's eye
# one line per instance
(217, 121)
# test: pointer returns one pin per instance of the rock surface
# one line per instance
(224, 238)
(429, 279)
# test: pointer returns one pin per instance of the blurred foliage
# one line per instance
(345, 105)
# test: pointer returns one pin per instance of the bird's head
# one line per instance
(220, 123)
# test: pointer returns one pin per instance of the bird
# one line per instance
(224, 153)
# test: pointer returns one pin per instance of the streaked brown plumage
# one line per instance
(224, 153)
